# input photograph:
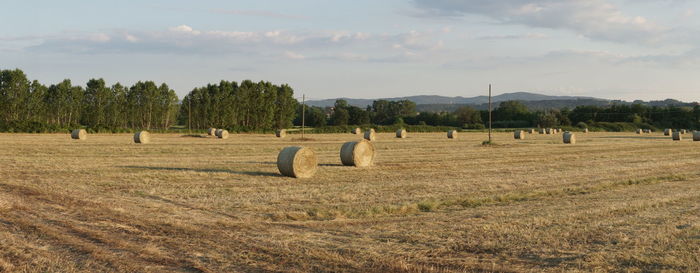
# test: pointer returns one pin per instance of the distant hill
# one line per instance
(532, 105)
(427, 103)
(439, 100)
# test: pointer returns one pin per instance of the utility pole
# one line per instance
(303, 115)
(489, 114)
(189, 114)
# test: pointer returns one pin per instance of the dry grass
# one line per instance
(613, 202)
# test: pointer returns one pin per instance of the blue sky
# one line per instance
(618, 49)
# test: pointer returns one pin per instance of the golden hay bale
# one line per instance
(639, 131)
(531, 131)
(667, 132)
(298, 162)
(401, 133)
(677, 136)
(222, 134)
(684, 131)
(585, 130)
(452, 134)
(281, 133)
(79, 134)
(357, 131)
(357, 153)
(569, 138)
(142, 137)
(696, 136)
(370, 135)
(211, 131)
(549, 131)
(519, 134)
(542, 131)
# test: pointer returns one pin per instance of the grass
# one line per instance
(612, 202)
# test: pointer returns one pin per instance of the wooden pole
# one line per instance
(303, 115)
(490, 120)
(189, 114)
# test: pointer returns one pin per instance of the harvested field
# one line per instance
(612, 202)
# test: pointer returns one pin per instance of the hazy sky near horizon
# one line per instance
(616, 49)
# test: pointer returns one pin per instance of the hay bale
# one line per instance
(585, 130)
(357, 153)
(519, 134)
(281, 133)
(79, 134)
(684, 131)
(370, 135)
(401, 133)
(297, 162)
(452, 134)
(569, 138)
(211, 132)
(677, 136)
(667, 132)
(531, 131)
(542, 131)
(550, 131)
(639, 131)
(696, 135)
(142, 137)
(222, 134)
(357, 131)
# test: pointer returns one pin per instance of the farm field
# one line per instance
(612, 202)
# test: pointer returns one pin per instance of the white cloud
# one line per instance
(595, 19)
(293, 55)
(270, 45)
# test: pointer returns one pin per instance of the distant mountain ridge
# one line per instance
(444, 100)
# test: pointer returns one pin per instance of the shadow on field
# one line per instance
(636, 137)
(202, 170)
(332, 165)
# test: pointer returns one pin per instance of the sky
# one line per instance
(615, 49)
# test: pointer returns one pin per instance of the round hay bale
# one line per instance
(667, 132)
(696, 136)
(222, 134)
(370, 135)
(452, 134)
(684, 131)
(142, 137)
(357, 153)
(519, 134)
(211, 132)
(677, 136)
(401, 133)
(531, 131)
(357, 131)
(297, 162)
(569, 138)
(542, 131)
(281, 133)
(585, 130)
(639, 131)
(79, 134)
(549, 131)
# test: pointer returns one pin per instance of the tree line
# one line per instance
(508, 114)
(248, 106)
(32, 106)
